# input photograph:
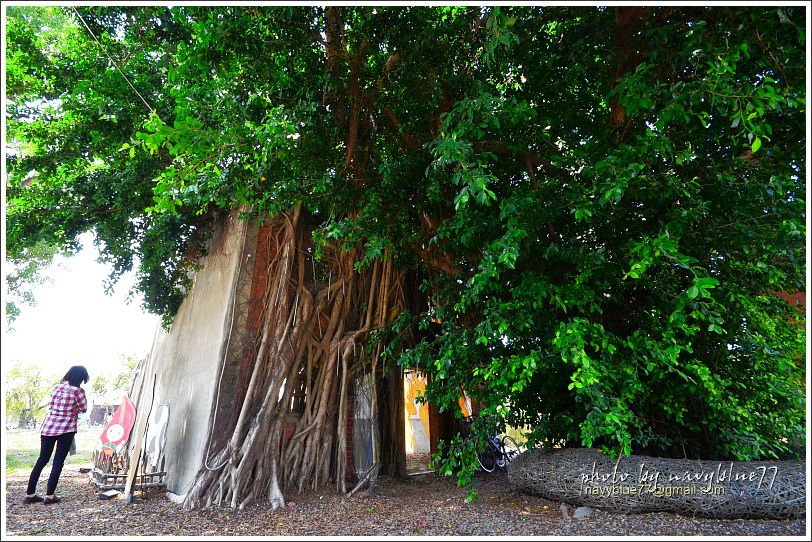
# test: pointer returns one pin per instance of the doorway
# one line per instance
(417, 429)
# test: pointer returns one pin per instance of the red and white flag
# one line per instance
(117, 431)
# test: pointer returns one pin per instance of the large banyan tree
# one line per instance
(582, 217)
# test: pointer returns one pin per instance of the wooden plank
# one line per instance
(141, 424)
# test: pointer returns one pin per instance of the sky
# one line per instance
(76, 323)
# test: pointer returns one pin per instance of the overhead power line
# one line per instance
(113, 61)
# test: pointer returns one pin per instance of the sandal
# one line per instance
(49, 500)
(33, 499)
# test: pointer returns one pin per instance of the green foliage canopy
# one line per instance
(602, 201)
(27, 392)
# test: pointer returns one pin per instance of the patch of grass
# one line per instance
(22, 448)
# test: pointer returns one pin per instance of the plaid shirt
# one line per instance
(66, 404)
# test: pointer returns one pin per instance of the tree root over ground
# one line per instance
(312, 340)
(712, 489)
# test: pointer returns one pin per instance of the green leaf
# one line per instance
(706, 282)
(716, 329)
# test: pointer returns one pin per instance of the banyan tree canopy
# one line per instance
(580, 217)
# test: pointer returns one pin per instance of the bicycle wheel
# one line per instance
(509, 449)
(487, 459)
(499, 451)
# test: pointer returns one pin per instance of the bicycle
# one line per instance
(498, 453)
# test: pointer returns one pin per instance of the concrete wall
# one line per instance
(184, 363)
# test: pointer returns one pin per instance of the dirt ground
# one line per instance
(421, 505)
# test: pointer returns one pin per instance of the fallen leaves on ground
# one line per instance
(422, 505)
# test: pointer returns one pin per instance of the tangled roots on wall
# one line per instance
(289, 431)
(712, 489)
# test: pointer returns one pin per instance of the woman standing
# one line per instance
(58, 429)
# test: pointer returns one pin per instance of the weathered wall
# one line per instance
(184, 363)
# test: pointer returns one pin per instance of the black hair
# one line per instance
(76, 375)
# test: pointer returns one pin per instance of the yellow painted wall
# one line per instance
(414, 385)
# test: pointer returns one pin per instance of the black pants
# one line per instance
(62, 443)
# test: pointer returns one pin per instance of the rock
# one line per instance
(566, 510)
(582, 512)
